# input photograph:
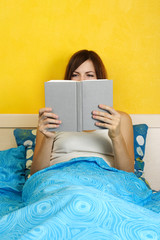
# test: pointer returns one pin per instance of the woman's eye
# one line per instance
(74, 75)
(90, 75)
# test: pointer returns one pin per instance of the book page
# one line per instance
(61, 97)
(94, 93)
(61, 81)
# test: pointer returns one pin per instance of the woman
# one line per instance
(84, 65)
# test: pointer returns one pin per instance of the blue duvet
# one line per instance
(81, 199)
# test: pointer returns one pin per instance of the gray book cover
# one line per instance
(74, 101)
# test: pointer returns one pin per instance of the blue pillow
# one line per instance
(140, 135)
(12, 168)
(27, 137)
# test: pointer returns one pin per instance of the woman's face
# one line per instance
(85, 71)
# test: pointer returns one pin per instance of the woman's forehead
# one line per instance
(86, 66)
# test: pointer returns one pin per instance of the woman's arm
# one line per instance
(44, 139)
(42, 152)
(121, 133)
(123, 145)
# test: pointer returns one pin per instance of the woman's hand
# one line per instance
(108, 120)
(47, 120)
(121, 133)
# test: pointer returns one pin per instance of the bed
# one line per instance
(98, 202)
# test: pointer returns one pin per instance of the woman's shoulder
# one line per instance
(125, 117)
(123, 114)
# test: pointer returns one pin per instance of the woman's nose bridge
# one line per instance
(82, 77)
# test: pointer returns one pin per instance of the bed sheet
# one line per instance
(81, 199)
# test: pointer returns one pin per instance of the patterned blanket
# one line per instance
(81, 199)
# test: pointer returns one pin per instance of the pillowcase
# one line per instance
(140, 135)
(12, 168)
(27, 137)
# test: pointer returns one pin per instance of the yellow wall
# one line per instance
(39, 36)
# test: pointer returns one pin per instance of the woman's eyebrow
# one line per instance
(86, 72)
(90, 71)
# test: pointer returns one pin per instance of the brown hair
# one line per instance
(81, 56)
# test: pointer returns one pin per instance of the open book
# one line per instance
(74, 101)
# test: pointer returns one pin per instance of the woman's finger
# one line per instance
(104, 125)
(51, 121)
(49, 126)
(42, 110)
(103, 119)
(47, 121)
(102, 114)
(49, 115)
(108, 108)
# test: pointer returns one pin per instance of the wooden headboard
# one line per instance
(8, 122)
